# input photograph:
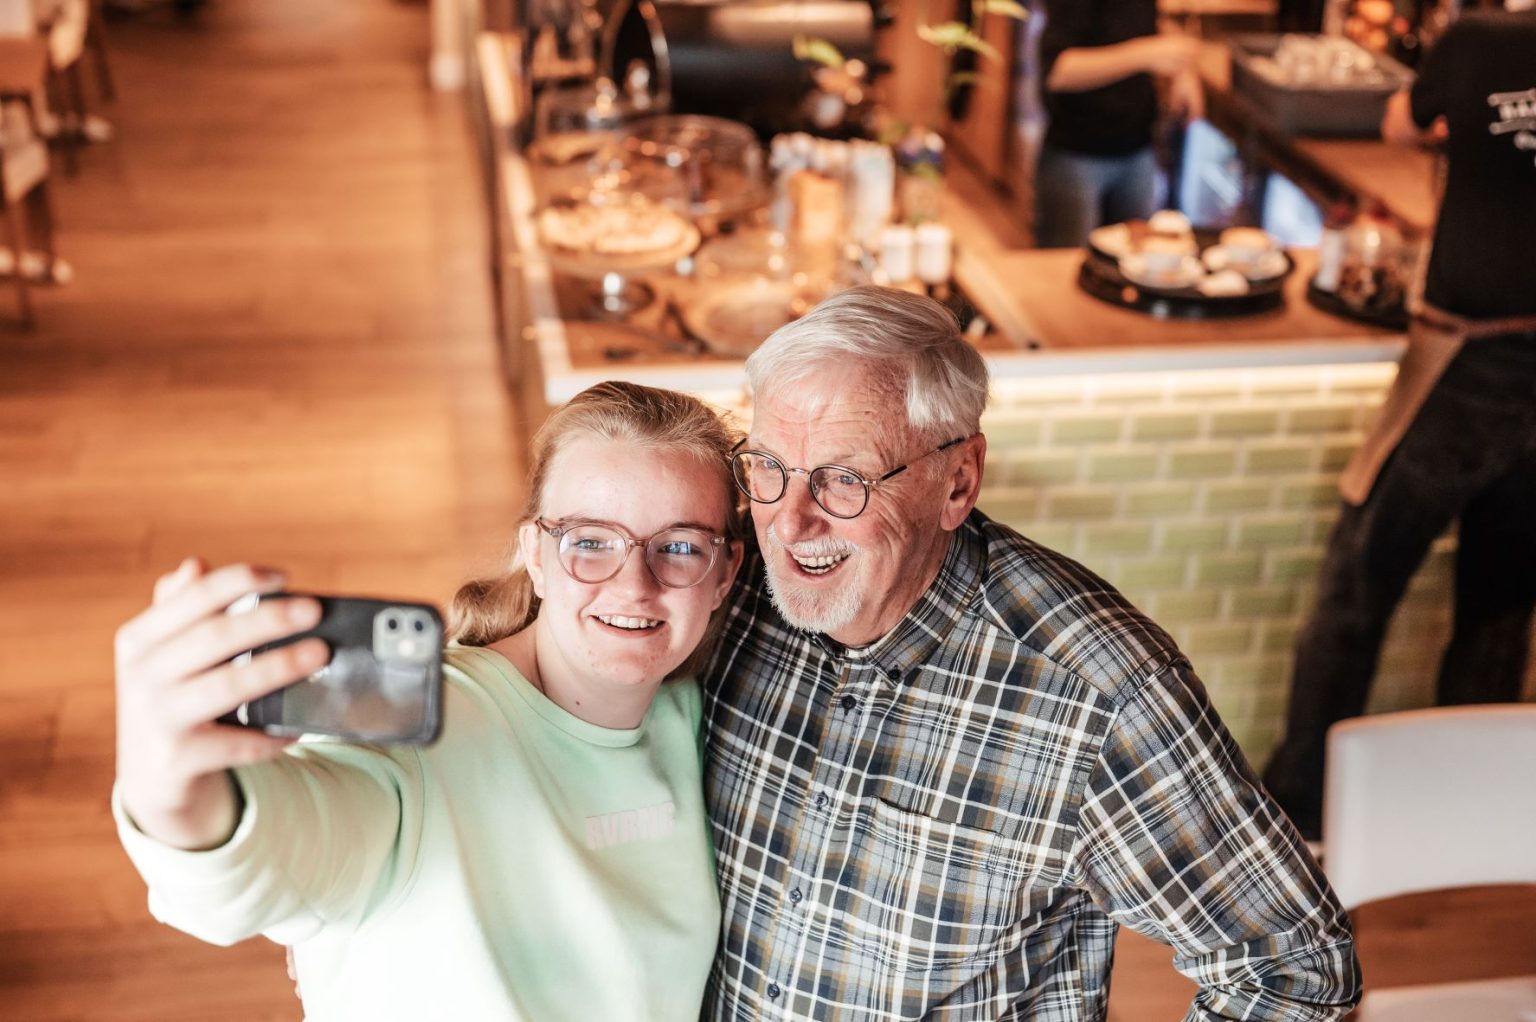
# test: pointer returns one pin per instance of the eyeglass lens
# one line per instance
(839, 491)
(677, 558)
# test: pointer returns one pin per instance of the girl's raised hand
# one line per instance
(175, 678)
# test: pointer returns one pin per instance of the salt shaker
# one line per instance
(872, 173)
(896, 252)
(933, 242)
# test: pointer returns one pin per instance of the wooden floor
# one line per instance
(278, 346)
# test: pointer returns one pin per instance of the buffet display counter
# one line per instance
(1193, 464)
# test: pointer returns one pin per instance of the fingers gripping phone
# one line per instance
(383, 682)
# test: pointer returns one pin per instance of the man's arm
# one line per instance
(1399, 127)
(1080, 68)
(1416, 115)
(1178, 841)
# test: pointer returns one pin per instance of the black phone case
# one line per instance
(358, 695)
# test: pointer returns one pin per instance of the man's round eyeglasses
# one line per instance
(839, 491)
(678, 558)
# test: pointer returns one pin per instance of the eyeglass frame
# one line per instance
(870, 485)
(558, 528)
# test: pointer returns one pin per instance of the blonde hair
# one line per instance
(487, 610)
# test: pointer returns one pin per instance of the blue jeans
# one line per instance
(1076, 193)
(1469, 455)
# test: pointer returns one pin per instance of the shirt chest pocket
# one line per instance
(925, 894)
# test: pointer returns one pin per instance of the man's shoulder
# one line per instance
(1062, 610)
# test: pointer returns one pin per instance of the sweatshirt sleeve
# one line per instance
(328, 833)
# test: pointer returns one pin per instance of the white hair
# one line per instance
(904, 341)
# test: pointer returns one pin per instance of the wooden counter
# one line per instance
(1051, 325)
(1041, 322)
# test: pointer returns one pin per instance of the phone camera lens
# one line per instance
(392, 623)
(419, 625)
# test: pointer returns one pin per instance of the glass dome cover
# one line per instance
(720, 161)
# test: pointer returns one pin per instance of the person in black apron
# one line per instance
(1456, 440)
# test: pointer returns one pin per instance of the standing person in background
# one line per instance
(548, 858)
(1456, 441)
(1098, 63)
(944, 763)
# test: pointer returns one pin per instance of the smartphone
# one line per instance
(383, 683)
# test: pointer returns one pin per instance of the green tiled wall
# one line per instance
(1207, 496)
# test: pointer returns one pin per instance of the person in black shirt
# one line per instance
(1098, 59)
(1463, 447)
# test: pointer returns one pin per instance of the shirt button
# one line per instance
(773, 991)
(821, 800)
(849, 703)
(795, 896)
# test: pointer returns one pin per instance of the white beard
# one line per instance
(813, 610)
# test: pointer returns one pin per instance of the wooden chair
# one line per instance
(68, 29)
(23, 160)
(96, 40)
(66, 25)
(1429, 837)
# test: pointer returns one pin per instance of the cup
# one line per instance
(1246, 247)
(1164, 257)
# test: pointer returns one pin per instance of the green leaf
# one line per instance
(1007, 8)
(817, 50)
(972, 41)
(954, 35)
(949, 34)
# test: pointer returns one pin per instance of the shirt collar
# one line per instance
(931, 618)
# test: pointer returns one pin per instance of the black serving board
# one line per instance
(1393, 318)
(1100, 276)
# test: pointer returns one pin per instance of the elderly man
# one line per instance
(945, 763)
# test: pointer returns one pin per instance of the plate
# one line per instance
(592, 240)
(570, 146)
(752, 251)
(1272, 264)
(733, 319)
(1114, 240)
(1119, 240)
(1188, 273)
(1223, 284)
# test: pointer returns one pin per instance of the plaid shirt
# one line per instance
(952, 821)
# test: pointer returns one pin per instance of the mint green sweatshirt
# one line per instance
(528, 866)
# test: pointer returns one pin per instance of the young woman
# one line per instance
(548, 858)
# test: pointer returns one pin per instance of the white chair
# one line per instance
(1429, 799)
(1490, 1000)
(1432, 801)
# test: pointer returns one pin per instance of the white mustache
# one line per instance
(813, 548)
